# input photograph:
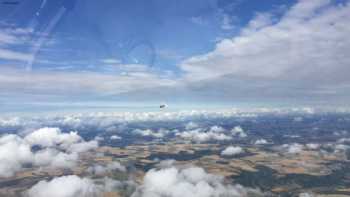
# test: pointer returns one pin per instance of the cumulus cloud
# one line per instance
(115, 137)
(148, 132)
(293, 148)
(56, 149)
(238, 131)
(205, 134)
(199, 135)
(66, 186)
(187, 182)
(13, 154)
(232, 150)
(55, 158)
(72, 186)
(167, 180)
(261, 141)
(51, 137)
(216, 129)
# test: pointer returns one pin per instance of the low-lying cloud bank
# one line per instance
(168, 180)
(213, 133)
(66, 186)
(188, 182)
(75, 186)
(106, 119)
(45, 147)
(339, 146)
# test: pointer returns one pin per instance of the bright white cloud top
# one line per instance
(232, 150)
(188, 182)
(57, 150)
(66, 186)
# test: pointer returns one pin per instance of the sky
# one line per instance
(85, 53)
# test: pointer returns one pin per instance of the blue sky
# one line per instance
(160, 32)
(212, 52)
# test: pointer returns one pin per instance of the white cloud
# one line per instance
(261, 141)
(72, 186)
(216, 129)
(293, 148)
(55, 158)
(115, 137)
(50, 137)
(66, 83)
(83, 146)
(14, 55)
(344, 140)
(148, 132)
(13, 154)
(232, 150)
(65, 186)
(200, 136)
(6, 38)
(238, 131)
(10, 122)
(261, 20)
(273, 49)
(11, 37)
(341, 147)
(14, 36)
(53, 137)
(114, 121)
(187, 182)
(57, 150)
(308, 46)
